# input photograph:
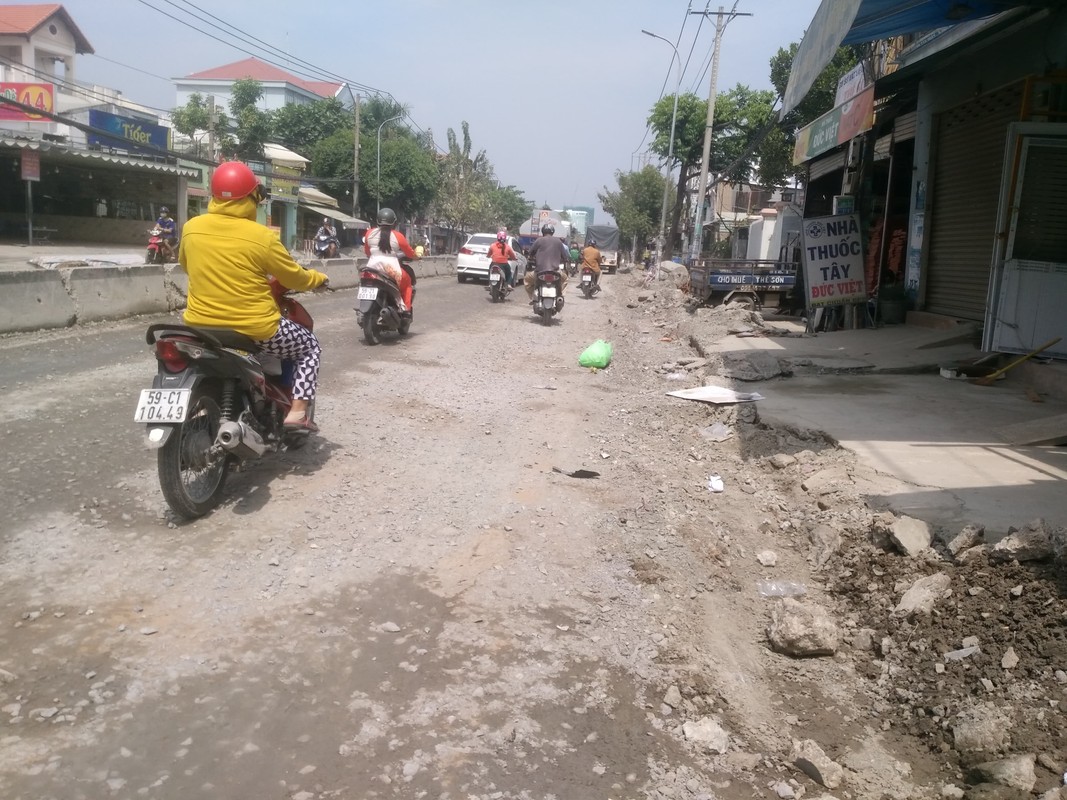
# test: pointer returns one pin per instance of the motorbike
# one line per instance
(589, 285)
(215, 402)
(326, 246)
(158, 252)
(499, 288)
(379, 304)
(548, 296)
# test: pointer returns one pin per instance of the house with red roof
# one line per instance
(38, 42)
(280, 88)
(104, 170)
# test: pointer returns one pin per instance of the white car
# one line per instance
(473, 258)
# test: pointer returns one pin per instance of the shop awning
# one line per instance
(838, 22)
(62, 151)
(335, 214)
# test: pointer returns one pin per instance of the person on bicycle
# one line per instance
(548, 254)
(500, 252)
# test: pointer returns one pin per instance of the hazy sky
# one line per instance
(557, 93)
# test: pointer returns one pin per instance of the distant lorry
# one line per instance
(606, 238)
(530, 230)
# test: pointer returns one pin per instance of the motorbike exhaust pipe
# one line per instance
(240, 440)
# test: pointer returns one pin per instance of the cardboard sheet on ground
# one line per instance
(719, 395)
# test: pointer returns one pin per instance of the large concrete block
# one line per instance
(176, 285)
(343, 272)
(116, 292)
(33, 300)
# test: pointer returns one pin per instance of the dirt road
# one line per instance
(420, 605)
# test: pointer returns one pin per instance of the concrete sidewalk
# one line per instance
(941, 444)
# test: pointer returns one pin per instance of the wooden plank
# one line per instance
(1050, 430)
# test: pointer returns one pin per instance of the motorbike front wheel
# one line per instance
(191, 476)
(150, 256)
(372, 331)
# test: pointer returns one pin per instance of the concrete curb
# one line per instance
(38, 299)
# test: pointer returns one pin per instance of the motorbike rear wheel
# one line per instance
(372, 331)
(546, 317)
(496, 291)
(191, 477)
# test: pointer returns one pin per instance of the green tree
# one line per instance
(194, 120)
(509, 208)
(409, 177)
(465, 181)
(691, 119)
(635, 205)
(252, 126)
(775, 152)
(301, 126)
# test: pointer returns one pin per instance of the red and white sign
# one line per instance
(31, 165)
(40, 96)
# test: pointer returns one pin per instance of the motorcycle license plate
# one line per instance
(494, 276)
(162, 405)
(587, 279)
(368, 292)
(548, 291)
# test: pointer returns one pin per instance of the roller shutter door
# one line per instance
(965, 194)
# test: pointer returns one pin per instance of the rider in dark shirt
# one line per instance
(548, 254)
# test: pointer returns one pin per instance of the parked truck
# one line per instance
(606, 238)
(753, 283)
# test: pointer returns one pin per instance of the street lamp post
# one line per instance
(378, 185)
(670, 148)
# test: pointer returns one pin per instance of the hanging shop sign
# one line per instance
(835, 127)
(39, 95)
(284, 183)
(31, 165)
(128, 133)
(851, 84)
(833, 261)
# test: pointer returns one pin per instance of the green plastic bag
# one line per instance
(597, 355)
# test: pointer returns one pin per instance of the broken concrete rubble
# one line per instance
(708, 733)
(923, 595)
(1015, 771)
(970, 536)
(809, 757)
(802, 629)
(1033, 542)
(981, 730)
(910, 536)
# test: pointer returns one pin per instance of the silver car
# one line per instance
(473, 258)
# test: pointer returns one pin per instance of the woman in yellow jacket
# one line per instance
(229, 258)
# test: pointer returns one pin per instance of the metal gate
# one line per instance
(1031, 283)
(964, 197)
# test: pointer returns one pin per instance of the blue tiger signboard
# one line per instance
(128, 133)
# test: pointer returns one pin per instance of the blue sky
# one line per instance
(556, 93)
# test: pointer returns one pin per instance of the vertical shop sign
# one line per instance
(833, 261)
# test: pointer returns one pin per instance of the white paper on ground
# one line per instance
(716, 394)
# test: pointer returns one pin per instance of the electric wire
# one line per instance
(667, 77)
(75, 88)
(315, 73)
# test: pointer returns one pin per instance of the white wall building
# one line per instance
(280, 88)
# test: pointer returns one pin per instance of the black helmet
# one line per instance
(164, 210)
(547, 230)
(387, 216)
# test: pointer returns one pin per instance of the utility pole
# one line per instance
(355, 165)
(702, 187)
(212, 121)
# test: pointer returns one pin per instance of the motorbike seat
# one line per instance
(382, 275)
(225, 337)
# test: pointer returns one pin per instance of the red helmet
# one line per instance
(233, 180)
